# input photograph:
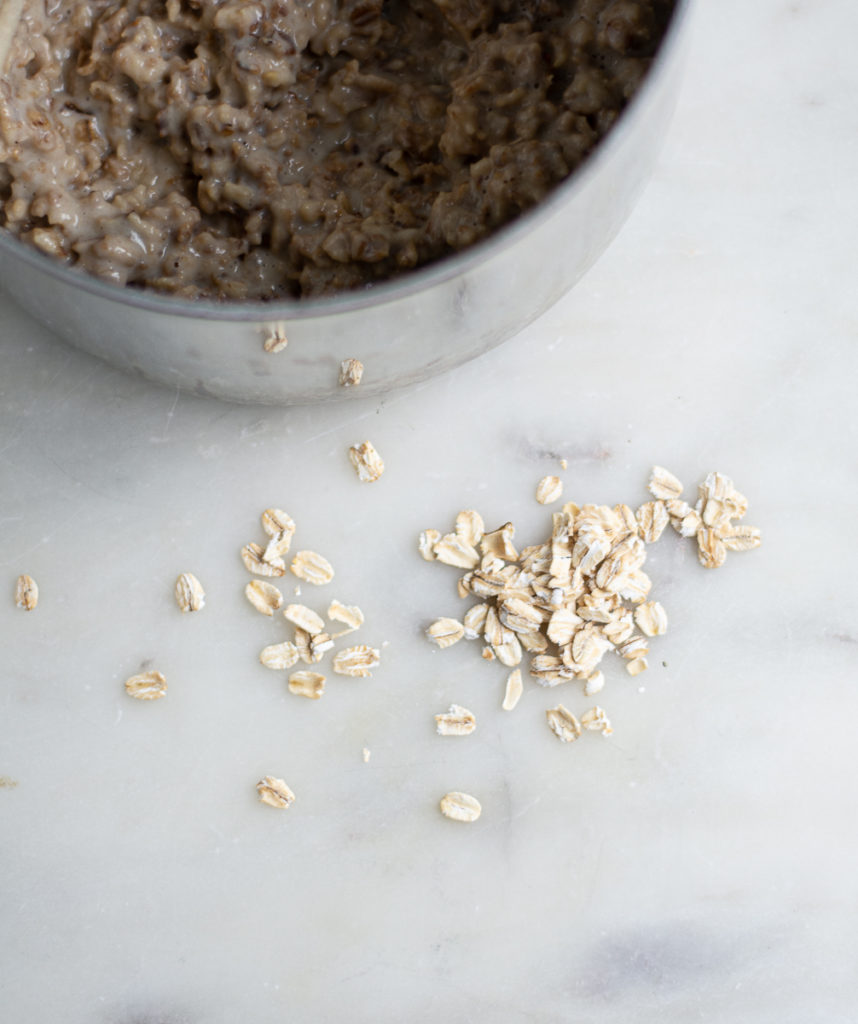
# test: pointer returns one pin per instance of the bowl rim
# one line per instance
(398, 288)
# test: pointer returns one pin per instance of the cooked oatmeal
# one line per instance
(259, 149)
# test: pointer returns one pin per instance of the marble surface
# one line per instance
(697, 866)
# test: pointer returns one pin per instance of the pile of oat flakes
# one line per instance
(566, 602)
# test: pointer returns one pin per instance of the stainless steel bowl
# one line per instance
(404, 331)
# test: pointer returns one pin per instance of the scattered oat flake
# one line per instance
(452, 550)
(26, 592)
(304, 683)
(276, 341)
(146, 686)
(275, 792)
(312, 568)
(264, 597)
(514, 689)
(663, 484)
(549, 489)
(460, 807)
(427, 542)
(367, 754)
(651, 618)
(457, 721)
(652, 519)
(563, 724)
(470, 527)
(351, 371)
(279, 656)
(636, 666)
(445, 632)
(275, 521)
(252, 556)
(349, 614)
(595, 720)
(304, 618)
(741, 538)
(190, 596)
(356, 661)
(367, 462)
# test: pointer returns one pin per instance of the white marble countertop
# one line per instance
(699, 865)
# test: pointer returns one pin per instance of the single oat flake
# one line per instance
(264, 597)
(275, 792)
(445, 632)
(304, 683)
(563, 724)
(457, 721)
(349, 614)
(276, 341)
(356, 661)
(279, 656)
(460, 807)
(651, 618)
(368, 464)
(652, 519)
(663, 484)
(549, 489)
(452, 550)
(741, 538)
(312, 568)
(304, 618)
(426, 544)
(513, 691)
(470, 527)
(275, 521)
(596, 721)
(711, 551)
(146, 686)
(190, 596)
(351, 372)
(26, 593)
(253, 557)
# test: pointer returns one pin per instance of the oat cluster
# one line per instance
(581, 593)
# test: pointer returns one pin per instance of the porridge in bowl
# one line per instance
(265, 149)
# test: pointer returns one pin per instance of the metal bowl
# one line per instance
(403, 331)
